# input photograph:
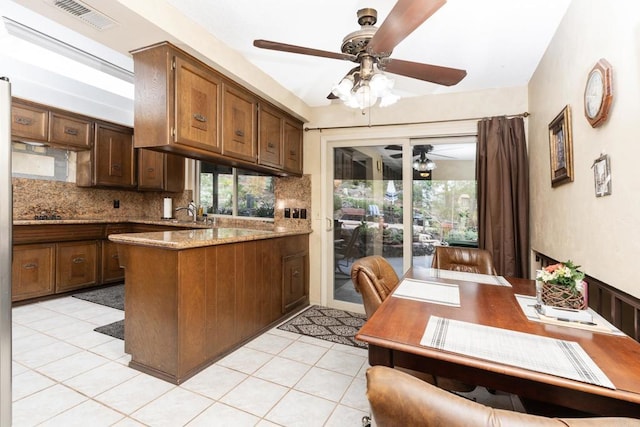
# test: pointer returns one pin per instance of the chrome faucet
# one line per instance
(191, 210)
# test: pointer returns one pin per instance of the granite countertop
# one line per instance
(186, 239)
(165, 222)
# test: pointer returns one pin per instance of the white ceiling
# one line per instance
(498, 42)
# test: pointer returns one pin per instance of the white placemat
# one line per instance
(527, 304)
(469, 277)
(537, 353)
(432, 292)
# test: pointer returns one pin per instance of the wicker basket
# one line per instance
(559, 296)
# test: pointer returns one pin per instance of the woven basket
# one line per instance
(559, 296)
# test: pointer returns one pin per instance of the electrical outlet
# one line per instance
(116, 204)
(296, 213)
(303, 213)
(287, 212)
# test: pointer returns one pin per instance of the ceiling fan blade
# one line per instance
(393, 147)
(431, 73)
(404, 18)
(441, 155)
(266, 44)
(396, 156)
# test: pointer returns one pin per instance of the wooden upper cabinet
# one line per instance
(270, 136)
(293, 147)
(39, 123)
(239, 124)
(160, 171)
(111, 162)
(29, 121)
(114, 156)
(197, 95)
(177, 102)
(70, 131)
(185, 107)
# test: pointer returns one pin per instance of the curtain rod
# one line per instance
(524, 115)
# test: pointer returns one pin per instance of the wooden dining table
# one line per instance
(395, 330)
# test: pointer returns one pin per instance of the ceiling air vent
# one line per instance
(85, 13)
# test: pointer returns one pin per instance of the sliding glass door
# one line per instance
(400, 200)
(367, 211)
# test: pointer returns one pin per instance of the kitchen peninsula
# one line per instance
(192, 296)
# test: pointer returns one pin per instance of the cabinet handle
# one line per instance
(78, 260)
(199, 117)
(150, 169)
(25, 121)
(71, 131)
(271, 145)
(114, 256)
(30, 266)
(239, 133)
(292, 153)
(295, 273)
(116, 166)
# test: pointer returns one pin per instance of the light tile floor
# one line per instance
(65, 374)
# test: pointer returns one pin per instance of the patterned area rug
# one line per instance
(327, 324)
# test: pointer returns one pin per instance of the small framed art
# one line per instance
(602, 176)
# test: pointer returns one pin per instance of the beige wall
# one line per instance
(569, 222)
(446, 111)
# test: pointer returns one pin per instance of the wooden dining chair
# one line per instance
(468, 260)
(375, 279)
(398, 399)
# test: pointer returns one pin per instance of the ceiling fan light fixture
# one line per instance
(343, 89)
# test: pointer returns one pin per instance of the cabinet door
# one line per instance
(270, 137)
(114, 156)
(111, 271)
(173, 173)
(197, 94)
(293, 281)
(239, 124)
(70, 131)
(150, 170)
(29, 122)
(32, 271)
(292, 147)
(76, 265)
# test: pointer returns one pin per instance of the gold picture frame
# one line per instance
(561, 148)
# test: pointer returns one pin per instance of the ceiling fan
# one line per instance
(422, 163)
(371, 48)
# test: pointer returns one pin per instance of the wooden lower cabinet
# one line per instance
(76, 265)
(33, 271)
(111, 270)
(196, 305)
(294, 280)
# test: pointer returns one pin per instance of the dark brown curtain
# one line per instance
(502, 172)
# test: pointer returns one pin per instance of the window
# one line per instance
(229, 191)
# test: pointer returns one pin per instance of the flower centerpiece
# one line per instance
(563, 285)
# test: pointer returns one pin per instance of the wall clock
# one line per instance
(598, 93)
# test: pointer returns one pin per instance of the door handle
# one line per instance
(329, 224)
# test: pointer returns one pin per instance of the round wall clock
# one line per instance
(598, 93)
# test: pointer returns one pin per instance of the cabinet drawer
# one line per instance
(32, 271)
(76, 265)
(70, 131)
(29, 122)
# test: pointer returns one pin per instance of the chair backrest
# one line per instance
(469, 260)
(374, 278)
(399, 399)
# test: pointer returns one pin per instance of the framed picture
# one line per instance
(602, 176)
(561, 148)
